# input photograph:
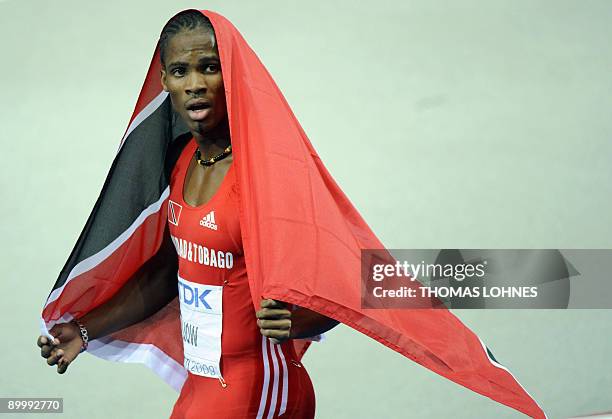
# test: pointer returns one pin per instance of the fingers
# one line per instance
(284, 324)
(60, 353)
(273, 314)
(269, 303)
(55, 355)
(276, 330)
(280, 334)
(42, 340)
(62, 366)
(272, 309)
(56, 330)
(274, 320)
(64, 356)
(45, 351)
(46, 346)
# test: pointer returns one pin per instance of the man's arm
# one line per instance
(152, 287)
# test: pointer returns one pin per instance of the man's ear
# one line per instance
(163, 79)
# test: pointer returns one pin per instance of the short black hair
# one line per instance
(184, 21)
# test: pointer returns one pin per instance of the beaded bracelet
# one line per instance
(84, 336)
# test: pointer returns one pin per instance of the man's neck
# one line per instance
(214, 141)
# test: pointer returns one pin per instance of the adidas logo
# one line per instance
(208, 221)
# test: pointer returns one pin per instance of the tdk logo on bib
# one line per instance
(200, 297)
(195, 295)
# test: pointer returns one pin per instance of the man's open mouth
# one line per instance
(198, 110)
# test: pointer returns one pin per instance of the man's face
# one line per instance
(192, 76)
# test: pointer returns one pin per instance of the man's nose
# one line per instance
(195, 84)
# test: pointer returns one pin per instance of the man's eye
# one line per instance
(211, 68)
(178, 72)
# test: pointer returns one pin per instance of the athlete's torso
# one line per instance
(261, 378)
(209, 245)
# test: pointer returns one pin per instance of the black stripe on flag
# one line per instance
(491, 355)
(138, 176)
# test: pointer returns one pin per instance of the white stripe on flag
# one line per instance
(498, 365)
(163, 365)
(144, 114)
(95, 259)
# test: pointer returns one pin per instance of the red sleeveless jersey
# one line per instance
(261, 379)
(209, 245)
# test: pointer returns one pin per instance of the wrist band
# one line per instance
(84, 336)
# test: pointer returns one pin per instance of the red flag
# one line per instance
(302, 238)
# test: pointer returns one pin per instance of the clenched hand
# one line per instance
(274, 320)
(64, 348)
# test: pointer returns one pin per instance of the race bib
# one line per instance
(201, 325)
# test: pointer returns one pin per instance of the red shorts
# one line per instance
(257, 386)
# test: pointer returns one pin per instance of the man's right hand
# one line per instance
(64, 348)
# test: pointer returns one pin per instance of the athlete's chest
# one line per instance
(204, 234)
(201, 183)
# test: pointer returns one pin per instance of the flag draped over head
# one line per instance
(302, 237)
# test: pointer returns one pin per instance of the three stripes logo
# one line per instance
(174, 212)
(208, 221)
